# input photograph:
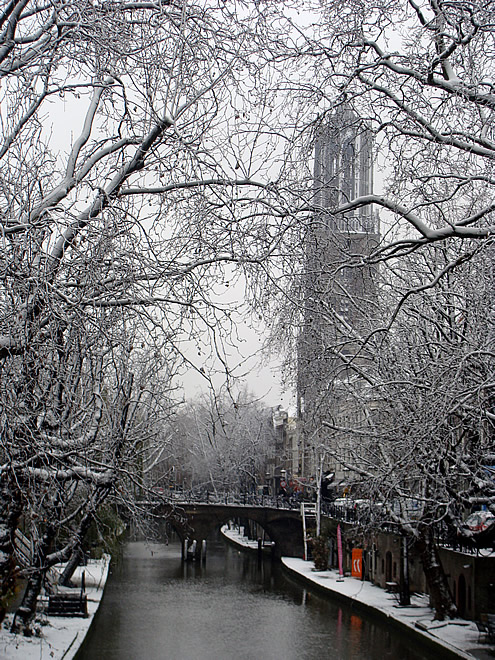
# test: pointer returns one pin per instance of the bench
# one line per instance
(392, 587)
(67, 604)
(487, 626)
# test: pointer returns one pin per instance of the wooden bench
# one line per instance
(67, 604)
(482, 629)
(487, 626)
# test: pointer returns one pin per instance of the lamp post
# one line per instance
(267, 482)
(318, 496)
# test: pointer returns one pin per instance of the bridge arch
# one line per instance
(197, 521)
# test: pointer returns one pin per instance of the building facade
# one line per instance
(339, 289)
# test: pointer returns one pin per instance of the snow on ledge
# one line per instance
(459, 636)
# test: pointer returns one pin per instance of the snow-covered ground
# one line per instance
(458, 635)
(60, 637)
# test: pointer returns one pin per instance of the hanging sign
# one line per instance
(357, 563)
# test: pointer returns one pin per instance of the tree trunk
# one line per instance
(10, 512)
(74, 561)
(440, 594)
(74, 550)
(26, 611)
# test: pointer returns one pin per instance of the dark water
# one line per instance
(156, 608)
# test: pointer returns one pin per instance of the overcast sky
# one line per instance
(250, 369)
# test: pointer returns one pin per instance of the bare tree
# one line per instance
(131, 176)
(148, 161)
(420, 73)
(222, 444)
(422, 447)
(77, 418)
(418, 77)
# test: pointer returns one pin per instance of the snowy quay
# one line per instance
(456, 638)
(59, 637)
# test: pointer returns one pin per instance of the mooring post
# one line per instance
(184, 549)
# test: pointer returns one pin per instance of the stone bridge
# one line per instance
(195, 522)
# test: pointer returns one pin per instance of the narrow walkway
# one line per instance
(60, 637)
(458, 636)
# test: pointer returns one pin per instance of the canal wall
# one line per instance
(450, 639)
(453, 639)
(471, 575)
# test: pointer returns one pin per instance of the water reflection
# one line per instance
(157, 608)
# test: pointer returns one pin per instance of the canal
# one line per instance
(157, 608)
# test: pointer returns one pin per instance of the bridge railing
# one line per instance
(232, 499)
(344, 512)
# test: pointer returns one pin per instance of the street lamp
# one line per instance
(318, 497)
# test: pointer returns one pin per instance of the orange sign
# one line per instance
(357, 563)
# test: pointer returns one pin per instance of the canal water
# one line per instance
(233, 607)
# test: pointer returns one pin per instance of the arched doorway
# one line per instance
(388, 567)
